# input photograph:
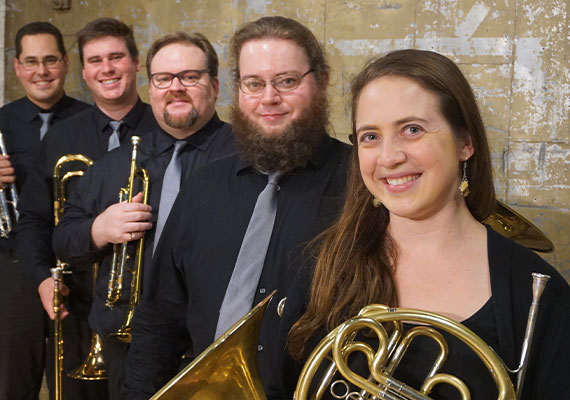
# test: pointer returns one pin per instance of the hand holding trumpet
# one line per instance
(121, 222)
(7, 172)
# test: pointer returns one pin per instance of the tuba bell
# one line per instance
(227, 369)
(340, 343)
(121, 257)
(509, 223)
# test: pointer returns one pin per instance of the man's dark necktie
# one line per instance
(46, 119)
(245, 277)
(170, 188)
(114, 141)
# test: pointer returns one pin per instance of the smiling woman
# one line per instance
(408, 154)
(411, 235)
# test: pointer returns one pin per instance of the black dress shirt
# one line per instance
(99, 189)
(20, 125)
(198, 250)
(86, 133)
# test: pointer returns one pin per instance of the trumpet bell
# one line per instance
(227, 369)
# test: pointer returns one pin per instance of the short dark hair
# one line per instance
(102, 27)
(278, 27)
(37, 28)
(192, 39)
(441, 76)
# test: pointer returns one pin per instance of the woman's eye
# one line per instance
(368, 137)
(412, 130)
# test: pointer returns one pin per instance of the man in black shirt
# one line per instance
(279, 120)
(110, 61)
(41, 65)
(183, 89)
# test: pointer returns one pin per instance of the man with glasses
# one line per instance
(109, 56)
(41, 65)
(183, 88)
(238, 228)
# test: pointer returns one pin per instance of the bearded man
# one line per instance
(238, 227)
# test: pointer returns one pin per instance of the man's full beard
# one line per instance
(288, 149)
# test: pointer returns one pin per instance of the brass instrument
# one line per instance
(512, 225)
(93, 367)
(6, 201)
(340, 343)
(539, 281)
(227, 369)
(59, 193)
(120, 256)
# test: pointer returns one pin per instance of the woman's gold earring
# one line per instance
(464, 185)
(375, 202)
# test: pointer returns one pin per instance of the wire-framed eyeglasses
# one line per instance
(32, 64)
(188, 78)
(286, 82)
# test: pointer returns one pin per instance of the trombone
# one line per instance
(7, 200)
(120, 256)
(59, 191)
(93, 367)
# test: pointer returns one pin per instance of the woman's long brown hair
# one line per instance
(356, 256)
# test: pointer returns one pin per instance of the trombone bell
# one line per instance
(227, 369)
(93, 368)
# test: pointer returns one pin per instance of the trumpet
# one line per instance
(59, 192)
(7, 200)
(120, 255)
(340, 343)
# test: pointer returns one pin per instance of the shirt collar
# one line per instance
(31, 110)
(201, 140)
(131, 119)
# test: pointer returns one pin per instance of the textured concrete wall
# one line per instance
(514, 52)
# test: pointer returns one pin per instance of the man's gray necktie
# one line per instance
(114, 141)
(170, 188)
(245, 276)
(46, 119)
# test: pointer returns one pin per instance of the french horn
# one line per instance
(382, 361)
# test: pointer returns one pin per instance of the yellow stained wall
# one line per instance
(514, 52)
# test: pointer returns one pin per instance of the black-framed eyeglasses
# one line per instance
(282, 83)
(188, 78)
(50, 62)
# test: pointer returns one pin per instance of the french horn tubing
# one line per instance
(340, 343)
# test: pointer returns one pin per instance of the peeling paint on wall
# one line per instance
(473, 19)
